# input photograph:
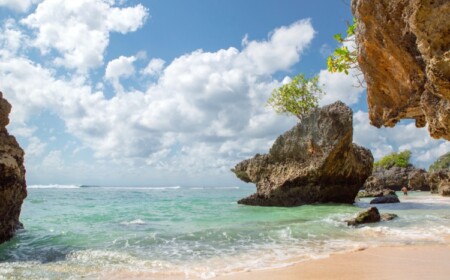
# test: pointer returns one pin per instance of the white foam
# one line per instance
(53, 186)
(134, 222)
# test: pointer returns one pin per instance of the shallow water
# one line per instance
(74, 232)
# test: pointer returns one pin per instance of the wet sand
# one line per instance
(407, 262)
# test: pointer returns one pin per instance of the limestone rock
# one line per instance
(377, 193)
(404, 53)
(315, 161)
(385, 199)
(395, 178)
(12, 177)
(440, 182)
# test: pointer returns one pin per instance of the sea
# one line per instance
(79, 232)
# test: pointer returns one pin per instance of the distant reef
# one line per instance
(314, 162)
(404, 52)
(13, 188)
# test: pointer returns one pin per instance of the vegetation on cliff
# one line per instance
(443, 162)
(400, 159)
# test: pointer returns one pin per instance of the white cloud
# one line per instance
(404, 136)
(339, 86)
(205, 112)
(154, 67)
(35, 147)
(79, 30)
(18, 5)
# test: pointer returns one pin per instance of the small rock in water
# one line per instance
(385, 199)
(370, 215)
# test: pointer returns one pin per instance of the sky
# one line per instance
(170, 92)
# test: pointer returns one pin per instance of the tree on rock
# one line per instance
(394, 159)
(297, 97)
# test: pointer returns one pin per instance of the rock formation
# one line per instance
(404, 53)
(315, 161)
(395, 178)
(440, 182)
(385, 199)
(371, 215)
(12, 177)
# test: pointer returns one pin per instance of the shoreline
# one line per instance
(399, 262)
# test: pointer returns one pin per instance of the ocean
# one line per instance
(74, 232)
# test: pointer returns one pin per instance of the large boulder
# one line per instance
(404, 52)
(315, 161)
(395, 178)
(12, 177)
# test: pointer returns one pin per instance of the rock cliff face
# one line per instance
(315, 161)
(12, 177)
(404, 53)
(440, 182)
(395, 178)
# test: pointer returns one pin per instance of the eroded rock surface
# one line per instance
(404, 53)
(12, 177)
(440, 182)
(395, 178)
(315, 161)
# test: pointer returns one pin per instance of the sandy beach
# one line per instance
(407, 262)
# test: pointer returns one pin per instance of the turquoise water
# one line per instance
(75, 233)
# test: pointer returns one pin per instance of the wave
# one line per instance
(53, 186)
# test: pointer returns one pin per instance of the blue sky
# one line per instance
(169, 92)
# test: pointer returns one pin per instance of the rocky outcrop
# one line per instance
(440, 182)
(404, 53)
(443, 162)
(315, 161)
(12, 177)
(385, 199)
(384, 192)
(371, 215)
(395, 178)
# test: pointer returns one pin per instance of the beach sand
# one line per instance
(407, 262)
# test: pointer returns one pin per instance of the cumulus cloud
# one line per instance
(154, 67)
(404, 136)
(79, 30)
(206, 111)
(18, 5)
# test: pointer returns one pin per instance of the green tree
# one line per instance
(443, 162)
(297, 97)
(394, 159)
(342, 59)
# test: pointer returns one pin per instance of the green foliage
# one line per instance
(443, 162)
(394, 159)
(297, 97)
(342, 58)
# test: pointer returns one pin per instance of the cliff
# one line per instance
(12, 177)
(404, 53)
(395, 178)
(315, 161)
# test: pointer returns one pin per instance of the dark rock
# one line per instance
(370, 215)
(385, 199)
(395, 178)
(388, 216)
(315, 161)
(12, 177)
(404, 53)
